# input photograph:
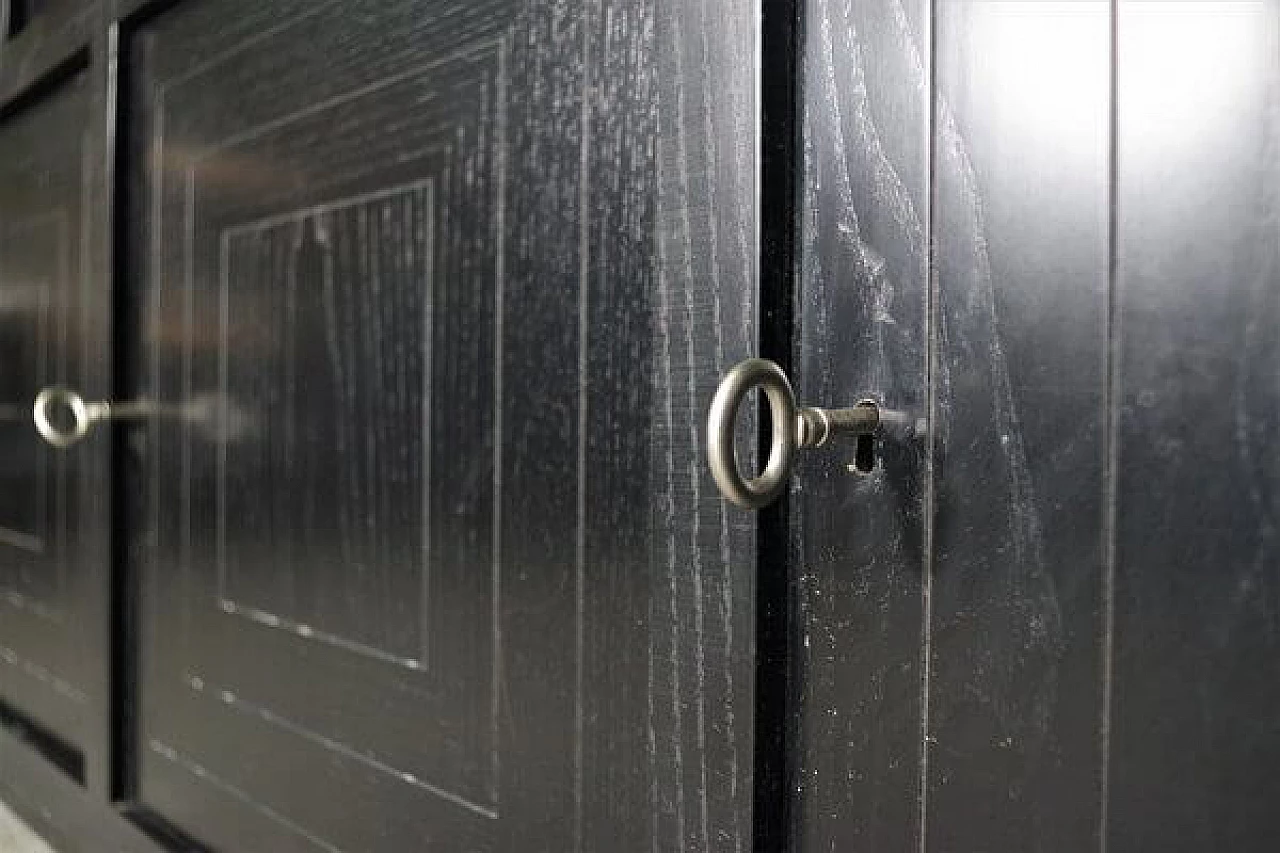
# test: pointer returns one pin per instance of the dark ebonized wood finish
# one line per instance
(1069, 644)
(443, 229)
(43, 271)
(1195, 684)
(417, 241)
(1022, 115)
(53, 246)
(701, 700)
(1047, 227)
(864, 236)
(325, 268)
(70, 818)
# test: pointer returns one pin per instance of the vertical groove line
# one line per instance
(1111, 390)
(499, 372)
(929, 498)
(584, 318)
(677, 738)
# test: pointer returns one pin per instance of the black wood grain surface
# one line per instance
(41, 234)
(863, 331)
(323, 275)
(414, 291)
(69, 818)
(1022, 112)
(54, 689)
(1194, 734)
(1095, 561)
(420, 550)
(701, 618)
(414, 552)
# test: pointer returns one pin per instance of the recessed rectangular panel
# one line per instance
(327, 328)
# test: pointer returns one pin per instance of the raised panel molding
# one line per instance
(327, 267)
(44, 233)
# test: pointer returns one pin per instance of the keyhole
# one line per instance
(864, 455)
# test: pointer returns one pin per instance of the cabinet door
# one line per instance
(1048, 228)
(399, 589)
(323, 597)
(52, 598)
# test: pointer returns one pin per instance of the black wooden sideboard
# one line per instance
(355, 366)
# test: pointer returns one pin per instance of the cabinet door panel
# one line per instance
(1196, 674)
(324, 193)
(1022, 115)
(1055, 629)
(863, 333)
(45, 675)
(952, 633)
(399, 266)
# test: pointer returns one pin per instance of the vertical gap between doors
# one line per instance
(125, 340)
(777, 608)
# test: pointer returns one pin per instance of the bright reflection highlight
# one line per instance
(1042, 71)
(1183, 67)
(1186, 72)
